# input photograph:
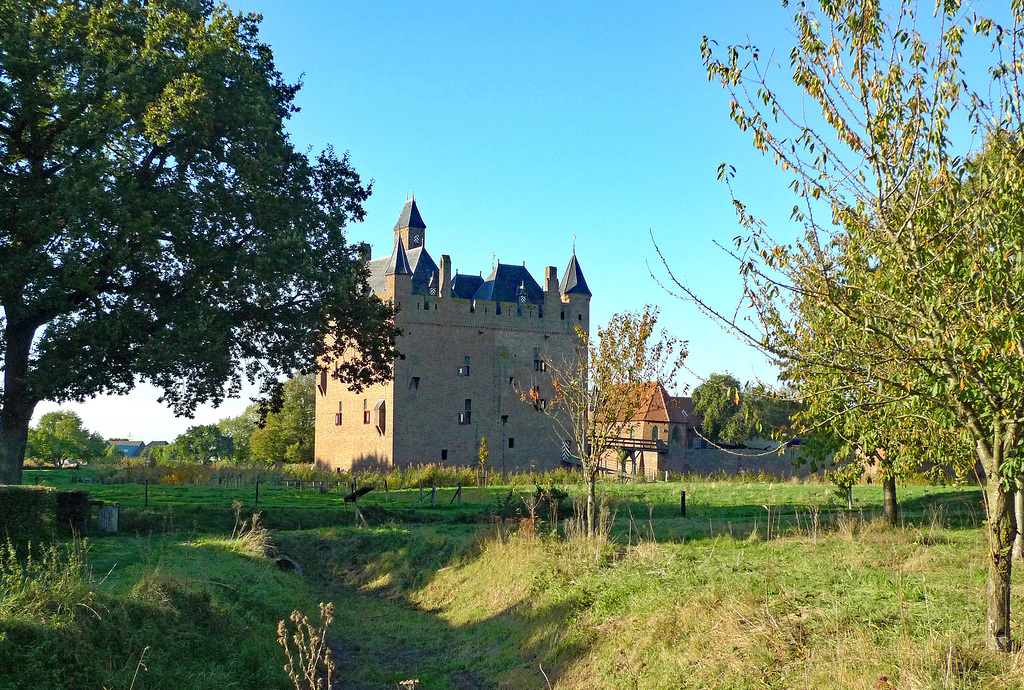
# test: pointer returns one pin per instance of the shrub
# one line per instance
(40, 513)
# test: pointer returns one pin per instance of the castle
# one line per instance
(470, 347)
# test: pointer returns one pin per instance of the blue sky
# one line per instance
(519, 126)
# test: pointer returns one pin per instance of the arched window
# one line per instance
(654, 434)
(677, 436)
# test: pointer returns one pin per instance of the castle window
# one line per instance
(654, 434)
(504, 419)
(444, 453)
(563, 315)
(337, 419)
(676, 437)
(464, 417)
(540, 365)
(511, 442)
(366, 416)
(539, 403)
(579, 317)
(414, 382)
(322, 386)
(464, 369)
(511, 380)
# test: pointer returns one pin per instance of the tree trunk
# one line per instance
(1018, 512)
(17, 405)
(1002, 530)
(890, 506)
(592, 504)
(13, 438)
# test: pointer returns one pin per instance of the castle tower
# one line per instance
(575, 295)
(410, 227)
(398, 276)
(470, 346)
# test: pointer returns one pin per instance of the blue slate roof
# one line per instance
(395, 264)
(423, 270)
(410, 217)
(464, 286)
(507, 282)
(398, 263)
(573, 282)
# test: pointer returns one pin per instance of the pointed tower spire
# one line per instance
(410, 227)
(573, 282)
(398, 264)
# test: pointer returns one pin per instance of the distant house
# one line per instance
(131, 449)
(666, 435)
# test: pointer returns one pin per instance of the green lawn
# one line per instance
(454, 596)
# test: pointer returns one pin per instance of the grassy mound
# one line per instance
(163, 613)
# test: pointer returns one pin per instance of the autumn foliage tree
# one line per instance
(596, 393)
(901, 303)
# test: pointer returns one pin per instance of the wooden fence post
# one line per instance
(387, 495)
(433, 494)
(682, 502)
(257, 493)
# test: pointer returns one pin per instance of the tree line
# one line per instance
(259, 435)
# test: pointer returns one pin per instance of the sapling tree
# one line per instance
(596, 393)
(904, 293)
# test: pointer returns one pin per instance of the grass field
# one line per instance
(454, 597)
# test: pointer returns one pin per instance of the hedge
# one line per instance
(41, 513)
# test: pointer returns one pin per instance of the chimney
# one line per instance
(446, 276)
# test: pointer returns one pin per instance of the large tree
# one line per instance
(729, 411)
(156, 223)
(240, 429)
(202, 444)
(286, 435)
(905, 292)
(596, 393)
(60, 436)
